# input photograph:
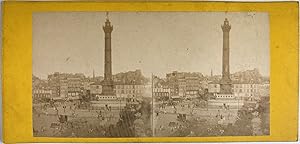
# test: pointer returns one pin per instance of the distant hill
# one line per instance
(37, 82)
(35, 78)
(135, 77)
(97, 78)
(159, 82)
(247, 76)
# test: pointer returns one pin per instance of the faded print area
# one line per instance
(150, 74)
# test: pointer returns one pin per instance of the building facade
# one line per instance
(66, 85)
(264, 89)
(213, 87)
(42, 92)
(181, 87)
(184, 84)
(96, 88)
(129, 90)
(192, 85)
(161, 92)
(173, 82)
(243, 90)
(75, 87)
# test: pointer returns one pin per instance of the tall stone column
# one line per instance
(107, 87)
(225, 84)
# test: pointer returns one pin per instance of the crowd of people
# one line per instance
(77, 119)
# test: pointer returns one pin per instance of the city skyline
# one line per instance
(156, 76)
(63, 43)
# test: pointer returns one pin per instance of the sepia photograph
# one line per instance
(150, 74)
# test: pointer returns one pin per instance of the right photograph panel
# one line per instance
(219, 84)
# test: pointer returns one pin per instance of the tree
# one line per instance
(124, 127)
(243, 125)
(86, 97)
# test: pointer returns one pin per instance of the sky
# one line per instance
(155, 42)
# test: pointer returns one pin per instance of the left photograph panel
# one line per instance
(75, 91)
